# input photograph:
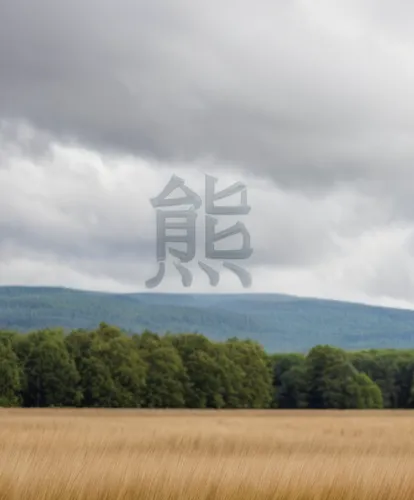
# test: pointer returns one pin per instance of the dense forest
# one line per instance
(107, 368)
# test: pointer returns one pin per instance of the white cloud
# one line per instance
(82, 219)
(310, 103)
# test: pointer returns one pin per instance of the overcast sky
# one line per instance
(309, 103)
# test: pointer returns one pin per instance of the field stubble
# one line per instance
(206, 455)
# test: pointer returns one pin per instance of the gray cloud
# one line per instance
(91, 212)
(308, 95)
(311, 102)
(83, 219)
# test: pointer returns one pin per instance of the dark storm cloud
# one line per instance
(308, 94)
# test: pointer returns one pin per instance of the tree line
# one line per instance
(107, 368)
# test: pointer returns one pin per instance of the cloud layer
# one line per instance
(310, 103)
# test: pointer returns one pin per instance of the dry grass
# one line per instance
(181, 455)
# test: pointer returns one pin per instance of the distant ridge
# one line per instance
(279, 322)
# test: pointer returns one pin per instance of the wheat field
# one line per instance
(205, 455)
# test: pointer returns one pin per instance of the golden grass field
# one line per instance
(180, 455)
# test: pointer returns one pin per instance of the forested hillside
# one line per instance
(104, 367)
(280, 323)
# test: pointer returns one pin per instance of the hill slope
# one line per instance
(279, 322)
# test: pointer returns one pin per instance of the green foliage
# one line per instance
(51, 377)
(112, 372)
(368, 394)
(333, 382)
(289, 381)
(256, 382)
(10, 375)
(166, 376)
(105, 367)
(203, 386)
(385, 367)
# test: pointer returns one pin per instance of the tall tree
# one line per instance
(50, 374)
(10, 375)
(255, 367)
(330, 375)
(289, 380)
(367, 393)
(382, 367)
(126, 366)
(333, 382)
(166, 376)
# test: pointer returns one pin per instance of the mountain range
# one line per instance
(281, 323)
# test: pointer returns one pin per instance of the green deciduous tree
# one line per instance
(289, 380)
(256, 389)
(166, 377)
(51, 377)
(10, 375)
